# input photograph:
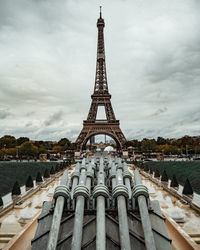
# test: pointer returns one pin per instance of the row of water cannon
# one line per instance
(100, 184)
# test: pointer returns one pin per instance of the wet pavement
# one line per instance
(189, 219)
(174, 208)
(14, 221)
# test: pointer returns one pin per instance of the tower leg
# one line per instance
(92, 140)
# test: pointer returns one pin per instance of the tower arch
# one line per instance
(100, 133)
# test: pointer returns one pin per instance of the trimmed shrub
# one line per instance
(146, 168)
(46, 173)
(29, 182)
(151, 170)
(39, 177)
(141, 165)
(157, 173)
(187, 190)
(182, 170)
(52, 171)
(174, 182)
(1, 202)
(164, 176)
(57, 168)
(16, 189)
(12, 171)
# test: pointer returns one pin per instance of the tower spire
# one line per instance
(100, 10)
(101, 86)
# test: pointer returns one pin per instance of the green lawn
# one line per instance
(19, 171)
(182, 170)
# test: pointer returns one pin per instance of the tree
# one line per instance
(21, 140)
(73, 146)
(2, 153)
(57, 148)
(42, 150)
(8, 141)
(64, 143)
(10, 151)
(167, 149)
(160, 141)
(29, 182)
(128, 144)
(28, 149)
(16, 189)
(148, 145)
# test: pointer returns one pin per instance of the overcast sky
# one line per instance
(48, 60)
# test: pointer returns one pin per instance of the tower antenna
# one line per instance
(100, 10)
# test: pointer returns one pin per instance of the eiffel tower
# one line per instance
(100, 97)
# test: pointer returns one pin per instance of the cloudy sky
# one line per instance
(48, 57)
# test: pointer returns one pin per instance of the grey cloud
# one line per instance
(4, 113)
(54, 118)
(30, 113)
(48, 56)
(29, 124)
(160, 111)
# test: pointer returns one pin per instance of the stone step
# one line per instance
(23, 205)
(197, 240)
(194, 235)
(9, 235)
(4, 240)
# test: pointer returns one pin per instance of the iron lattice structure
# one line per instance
(100, 97)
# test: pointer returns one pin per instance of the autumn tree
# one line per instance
(8, 141)
(21, 140)
(57, 148)
(64, 143)
(148, 145)
(28, 149)
(161, 141)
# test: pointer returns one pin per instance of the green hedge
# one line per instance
(10, 172)
(182, 171)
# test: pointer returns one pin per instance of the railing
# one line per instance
(101, 122)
